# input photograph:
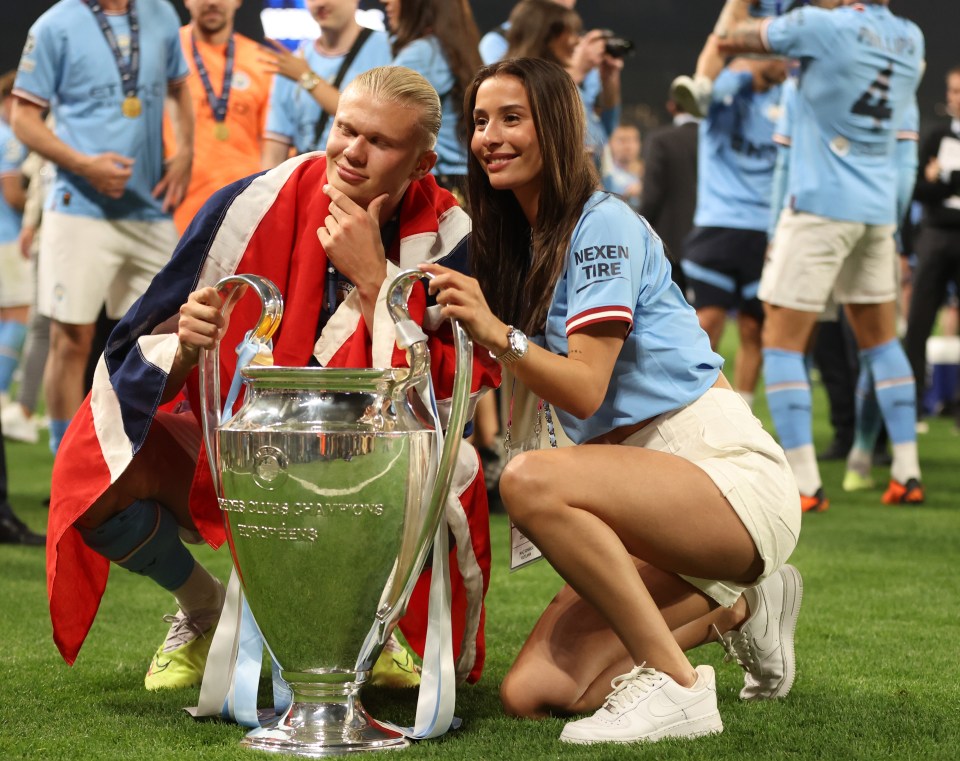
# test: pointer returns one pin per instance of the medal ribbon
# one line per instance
(217, 104)
(129, 71)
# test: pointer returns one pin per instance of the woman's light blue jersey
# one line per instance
(616, 270)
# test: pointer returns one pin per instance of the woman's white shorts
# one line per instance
(719, 434)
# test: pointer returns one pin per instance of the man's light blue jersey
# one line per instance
(908, 159)
(426, 57)
(616, 270)
(860, 69)
(782, 137)
(294, 114)
(12, 154)
(737, 154)
(67, 64)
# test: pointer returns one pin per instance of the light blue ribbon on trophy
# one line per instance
(231, 677)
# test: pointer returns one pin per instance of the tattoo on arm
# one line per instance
(745, 37)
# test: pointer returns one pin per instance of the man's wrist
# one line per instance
(309, 80)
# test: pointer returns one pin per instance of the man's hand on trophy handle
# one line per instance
(201, 324)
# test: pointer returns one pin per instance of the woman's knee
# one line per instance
(521, 695)
(524, 486)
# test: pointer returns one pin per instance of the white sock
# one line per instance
(803, 463)
(747, 396)
(200, 592)
(860, 460)
(906, 462)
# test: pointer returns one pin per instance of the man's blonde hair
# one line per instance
(405, 87)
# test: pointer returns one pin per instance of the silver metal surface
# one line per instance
(331, 491)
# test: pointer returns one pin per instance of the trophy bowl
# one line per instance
(332, 485)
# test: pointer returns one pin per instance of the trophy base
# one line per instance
(321, 730)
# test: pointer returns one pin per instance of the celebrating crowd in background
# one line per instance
(791, 192)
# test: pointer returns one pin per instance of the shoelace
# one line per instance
(739, 648)
(628, 687)
(183, 629)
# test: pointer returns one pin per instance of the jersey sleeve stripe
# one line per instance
(599, 314)
(277, 137)
(29, 96)
(782, 140)
(764, 39)
(908, 134)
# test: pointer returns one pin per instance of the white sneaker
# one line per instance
(17, 426)
(763, 646)
(647, 705)
(692, 94)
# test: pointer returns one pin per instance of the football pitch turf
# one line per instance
(876, 647)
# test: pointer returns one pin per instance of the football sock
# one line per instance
(868, 422)
(143, 538)
(200, 592)
(12, 335)
(897, 397)
(789, 399)
(57, 429)
(806, 472)
(788, 396)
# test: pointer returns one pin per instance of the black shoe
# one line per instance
(15, 531)
(838, 450)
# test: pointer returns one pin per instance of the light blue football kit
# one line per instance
(783, 138)
(294, 113)
(12, 155)
(860, 67)
(723, 255)
(616, 270)
(68, 65)
(737, 154)
(14, 275)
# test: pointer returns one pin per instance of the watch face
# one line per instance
(518, 342)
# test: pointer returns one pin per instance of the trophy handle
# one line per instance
(230, 289)
(397, 295)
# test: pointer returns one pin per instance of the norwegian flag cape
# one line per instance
(265, 225)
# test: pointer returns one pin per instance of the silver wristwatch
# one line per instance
(517, 345)
(309, 80)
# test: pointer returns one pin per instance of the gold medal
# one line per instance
(132, 106)
(221, 132)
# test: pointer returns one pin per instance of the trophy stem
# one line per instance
(324, 720)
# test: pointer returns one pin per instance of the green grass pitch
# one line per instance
(876, 648)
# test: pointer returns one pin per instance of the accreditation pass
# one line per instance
(523, 552)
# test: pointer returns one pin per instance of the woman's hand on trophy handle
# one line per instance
(461, 299)
(201, 324)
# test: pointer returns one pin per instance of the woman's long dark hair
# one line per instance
(452, 23)
(534, 24)
(518, 267)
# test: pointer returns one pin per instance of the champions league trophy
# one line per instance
(332, 487)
